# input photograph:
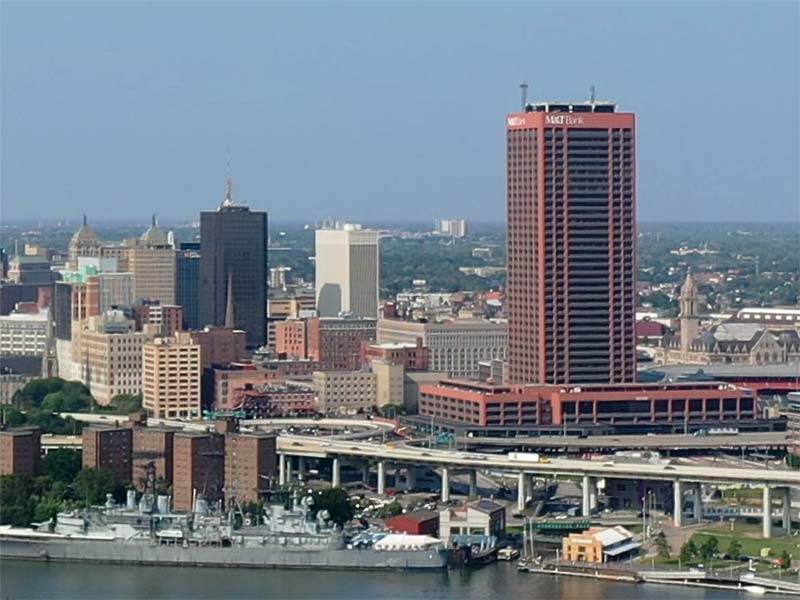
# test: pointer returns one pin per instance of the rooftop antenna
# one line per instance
(228, 183)
(524, 91)
(592, 90)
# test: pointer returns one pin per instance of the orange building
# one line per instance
(598, 545)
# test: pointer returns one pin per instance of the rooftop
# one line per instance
(599, 106)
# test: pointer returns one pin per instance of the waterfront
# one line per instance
(20, 580)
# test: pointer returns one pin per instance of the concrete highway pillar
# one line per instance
(473, 483)
(593, 495)
(586, 506)
(411, 478)
(697, 498)
(521, 491)
(336, 473)
(677, 503)
(766, 525)
(282, 469)
(381, 477)
(301, 468)
(786, 494)
(445, 484)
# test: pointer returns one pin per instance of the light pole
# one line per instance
(644, 517)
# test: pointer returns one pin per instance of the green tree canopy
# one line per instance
(734, 549)
(92, 485)
(337, 502)
(62, 464)
(688, 551)
(709, 548)
(17, 502)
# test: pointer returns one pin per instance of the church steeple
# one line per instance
(688, 297)
(690, 324)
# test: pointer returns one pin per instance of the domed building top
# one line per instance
(154, 236)
(85, 236)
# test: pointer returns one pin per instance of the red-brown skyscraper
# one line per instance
(571, 243)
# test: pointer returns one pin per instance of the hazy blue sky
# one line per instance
(384, 111)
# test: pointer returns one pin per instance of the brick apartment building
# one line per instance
(152, 446)
(110, 448)
(20, 451)
(251, 466)
(198, 467)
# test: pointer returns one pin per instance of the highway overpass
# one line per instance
(683, 477)
(608, 443)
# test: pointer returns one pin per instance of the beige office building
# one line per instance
(389, 382)
(107, 355)
(171, 377)
(349, 391)
(154, 271)
(347, 271)
(344, 391)
(454, 347)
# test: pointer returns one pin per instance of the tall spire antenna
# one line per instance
(228, 182)
(524, 92)
(155, 221)
(85, 220)
(592, 90)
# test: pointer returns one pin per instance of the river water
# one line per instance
(67, 581)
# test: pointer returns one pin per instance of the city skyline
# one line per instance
(322, 108)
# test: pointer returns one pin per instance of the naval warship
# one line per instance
(287, 534)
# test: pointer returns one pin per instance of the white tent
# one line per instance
(404, 541)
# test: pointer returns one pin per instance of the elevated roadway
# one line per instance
(325, 448)
(761, 440)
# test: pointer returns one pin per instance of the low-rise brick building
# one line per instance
(111, 448)
(198, 467)
(20, 451)
(251, 466)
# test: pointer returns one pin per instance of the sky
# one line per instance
(379, 111)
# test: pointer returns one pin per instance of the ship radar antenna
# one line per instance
(524, 92)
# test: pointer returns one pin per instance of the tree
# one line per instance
(337, 502)
(62, 401)
(62, 464)
(16, 418)
(92, 485)
(786, 559)
(709, 548)
(33, 393)
(124, 404)
(664, 551)
(688, 551)
(734, 549)
(390, 510)
(17, 502)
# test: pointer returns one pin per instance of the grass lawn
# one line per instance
(749, 536)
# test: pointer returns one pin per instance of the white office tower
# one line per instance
(347, 271)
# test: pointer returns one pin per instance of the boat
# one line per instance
(287, 536)
(507, 553)
(755, 589)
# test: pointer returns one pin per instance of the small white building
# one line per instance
(483, 517)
